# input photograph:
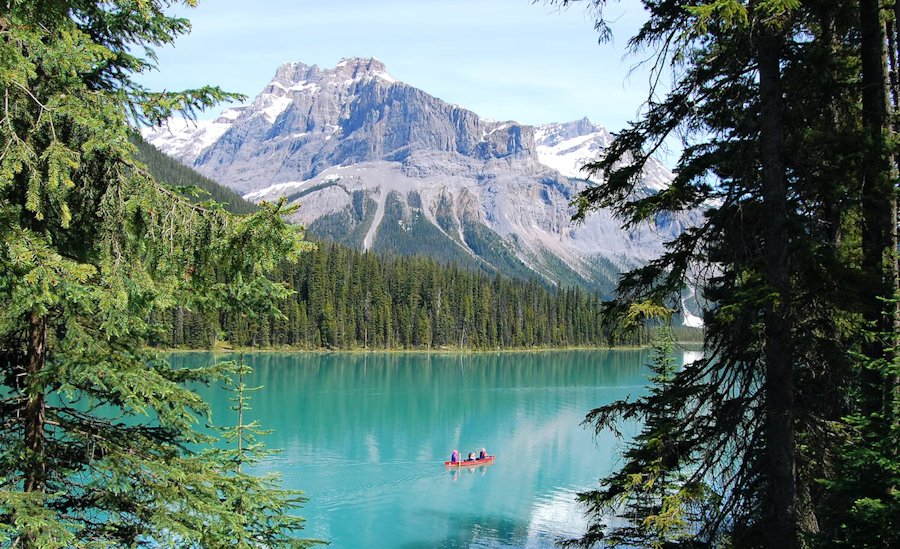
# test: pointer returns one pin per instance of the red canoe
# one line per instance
(468, 463)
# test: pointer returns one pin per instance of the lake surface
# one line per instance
(365, 435)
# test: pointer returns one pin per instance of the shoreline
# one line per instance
(690, 345)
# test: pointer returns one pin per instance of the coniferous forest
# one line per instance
(176, 174)
(344, 299)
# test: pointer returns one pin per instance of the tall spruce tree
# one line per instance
(656, 502)
(782, 105)
(260, 509)
(98, 445)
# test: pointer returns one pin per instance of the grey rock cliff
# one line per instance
(379, 164)
(308, 119)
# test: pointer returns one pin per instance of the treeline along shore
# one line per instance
(346, 299)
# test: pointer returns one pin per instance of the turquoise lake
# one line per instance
(365, 436)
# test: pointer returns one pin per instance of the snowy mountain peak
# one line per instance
(554, 133)
(287, 72)
(292, 76)
(567, 147)
(299, 83)
(381, 165)
(356, 68)
(359, 65)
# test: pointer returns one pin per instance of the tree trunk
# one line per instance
(178, 327)
(894, 106)
(879, 204)
(781, 493)
(36, 467)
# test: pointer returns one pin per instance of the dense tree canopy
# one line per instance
(786, 433)
(344, 299)
(98, 444)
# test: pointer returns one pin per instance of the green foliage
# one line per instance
(98, 438)
(790, 153)
(260, 507)
(407, 233)
(863, 491)
(171, 172)
(314, 188)
(347, 227)
(488, 246)
(653, 496)
(344, 299)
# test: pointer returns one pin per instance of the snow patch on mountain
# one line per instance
(688, 318)
(656, 176)
(568, 157)
(273, 192)
(185, 139)
(273, 106)
(568, 147)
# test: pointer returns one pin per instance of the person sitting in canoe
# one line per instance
(471, 456)
(483, 454)
(454, 456)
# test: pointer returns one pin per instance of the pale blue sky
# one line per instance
(503, 59)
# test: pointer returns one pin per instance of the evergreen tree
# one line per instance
(97, 438)
(260, 508)
(654, 501)
(864, 506)
(422, 337)
(788, 152)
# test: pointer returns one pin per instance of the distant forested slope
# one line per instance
(172, 172)
(347, 299)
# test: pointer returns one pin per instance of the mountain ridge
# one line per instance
(381, 165)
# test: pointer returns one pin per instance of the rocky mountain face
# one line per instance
(378, 164)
